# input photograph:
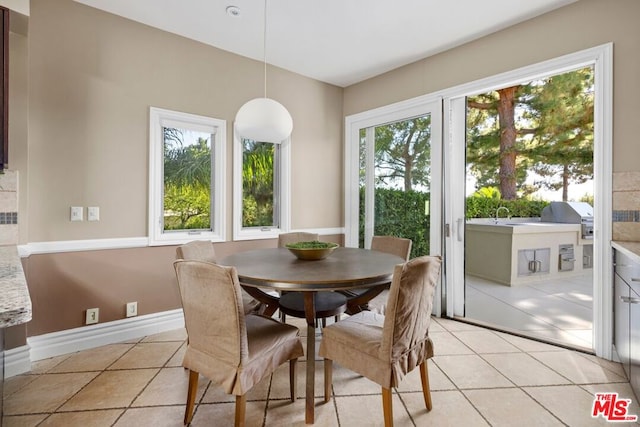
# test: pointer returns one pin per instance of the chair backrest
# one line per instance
(392, 245)
(213, 313)
(297, 236)
(409, 306)
(201, 250)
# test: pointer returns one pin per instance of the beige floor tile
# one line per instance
(46, 393)
(169, 387)
(165, 416)
(437, 380)
(111, 389)
(175, 335)
(571, 404)
(43, 366)
(450, 409)
(176, 359)
(280, 381)
(610, 365)
(454, 325)
(14, 384)
(509, 407)
(576, 368)
(346, 383)
(147, 355)
(104, 418)
(96, 359)
(367, 411)
(223, 414)
(525, 344)
(485, 342)
(445, 343)
(523, 369)
(215, 393)
(23, 420)
(285, 413)
(471, 372)
(434, 326)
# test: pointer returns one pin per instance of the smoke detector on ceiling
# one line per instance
(233, 11)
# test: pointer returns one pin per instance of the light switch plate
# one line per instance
(93, 213)
(77, 213)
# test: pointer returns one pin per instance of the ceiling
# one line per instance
(341, 42)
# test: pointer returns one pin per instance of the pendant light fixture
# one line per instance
(264, 119)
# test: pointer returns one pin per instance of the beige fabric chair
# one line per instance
(358, 299)
(203, 250)
(386, 348)
(231, 349)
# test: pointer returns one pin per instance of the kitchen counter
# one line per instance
(631, 249)
(15, 303)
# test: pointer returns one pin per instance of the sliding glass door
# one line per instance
(394, 177)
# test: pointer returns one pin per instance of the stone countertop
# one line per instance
(631, 249)
(15, 303)
(515, 227)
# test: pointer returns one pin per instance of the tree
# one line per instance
(187, 181)
(258, 183)
(563, 149)
(403, 153)
(545, 125)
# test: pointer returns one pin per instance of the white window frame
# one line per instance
(159, 118)
(256, 233)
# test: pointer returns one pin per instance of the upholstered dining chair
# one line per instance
(358, 299)
(203, 250)
(232, 350)
(327, 304)
(386, 348)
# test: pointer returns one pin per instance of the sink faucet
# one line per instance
(498, 211)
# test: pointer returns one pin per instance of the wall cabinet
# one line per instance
(627, 316)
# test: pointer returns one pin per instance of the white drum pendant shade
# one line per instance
(264, 120)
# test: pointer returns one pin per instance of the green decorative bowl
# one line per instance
(311, 251)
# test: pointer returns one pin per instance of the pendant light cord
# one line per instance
(264, 48)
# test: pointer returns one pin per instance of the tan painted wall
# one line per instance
(92, 78)
(579, 26)
(88, 79)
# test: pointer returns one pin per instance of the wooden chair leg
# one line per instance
(426, 391)
(387, 409)
(191, 395)
(293, 363)
(328, 374)
(241, 406)
(324, 322)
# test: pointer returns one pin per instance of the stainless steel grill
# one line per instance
(570, 213)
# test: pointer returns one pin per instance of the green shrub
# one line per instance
(403, 214)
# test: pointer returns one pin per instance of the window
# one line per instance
(186, 177)
(261, 189)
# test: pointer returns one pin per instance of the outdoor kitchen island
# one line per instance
(513, 253)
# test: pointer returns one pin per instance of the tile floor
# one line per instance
(478, 377)
(560, 310)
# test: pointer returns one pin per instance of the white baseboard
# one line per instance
(69, 341)
(16, 361)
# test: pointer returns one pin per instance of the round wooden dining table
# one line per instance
(278, 269)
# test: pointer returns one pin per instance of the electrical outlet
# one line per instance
(132, 309)
(76, 213)
(92, 316)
